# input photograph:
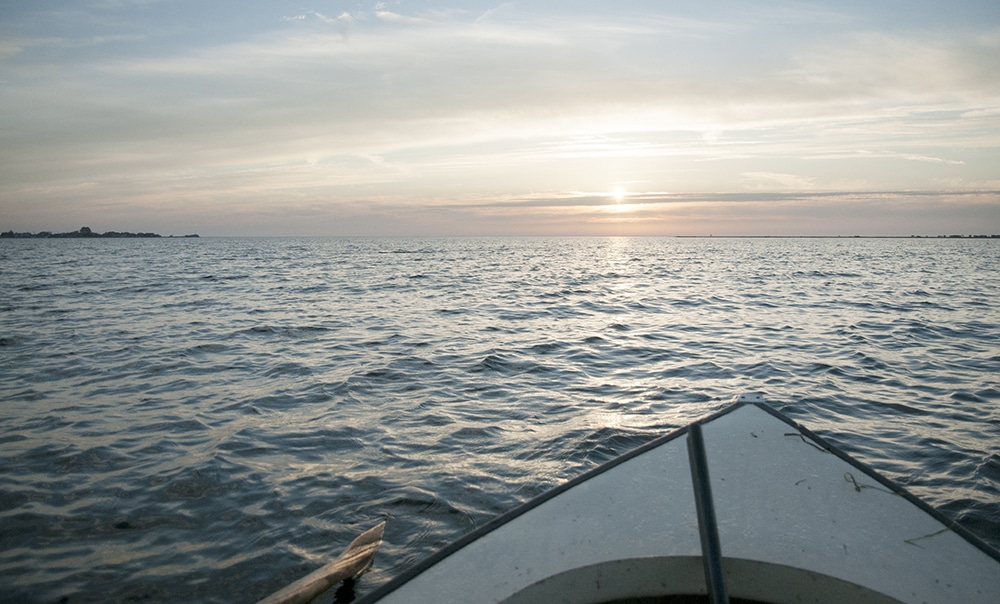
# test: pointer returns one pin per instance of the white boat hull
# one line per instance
(797, 520)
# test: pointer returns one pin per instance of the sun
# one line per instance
(619, 194)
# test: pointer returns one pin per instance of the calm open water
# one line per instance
(209, 419)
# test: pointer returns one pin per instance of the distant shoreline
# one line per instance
(838, 236)
(85, 233)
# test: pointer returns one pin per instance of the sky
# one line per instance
(440, 117)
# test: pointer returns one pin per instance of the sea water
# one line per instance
(209, 419)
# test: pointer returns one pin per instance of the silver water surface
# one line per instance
(208, 419)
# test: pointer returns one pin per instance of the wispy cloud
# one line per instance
(392, 17)
(771, 181)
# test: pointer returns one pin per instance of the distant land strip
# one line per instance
(84, 232)
(838, 236)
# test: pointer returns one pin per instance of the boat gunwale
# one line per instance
(495, 523)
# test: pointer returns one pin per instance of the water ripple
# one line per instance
(189, 419)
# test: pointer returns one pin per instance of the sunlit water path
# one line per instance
(208, 419)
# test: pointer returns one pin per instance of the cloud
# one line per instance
(839, 198)
(488, 15)
(116, 4)
(921, 158)
(918, 66)
(872, 213)
(9, 48)
(987, 112)
(392, 17)
(780, 181)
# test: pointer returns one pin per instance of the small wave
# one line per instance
(604, 444)
(299, 332)
(289, 368)
(95, 459)
(703, 370)
(217, 279)
(207, 349)
(989, 469)
(505, 364)
(177, 425)
(471, 435)
(205, 481)
(318, 443)
(547, 347)
(963, 396)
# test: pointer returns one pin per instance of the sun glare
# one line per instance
(619, 194)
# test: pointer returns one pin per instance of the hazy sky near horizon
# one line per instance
(545, 117)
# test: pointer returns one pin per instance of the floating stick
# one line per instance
(356, 560)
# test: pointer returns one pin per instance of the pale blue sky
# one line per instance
(436, 117)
